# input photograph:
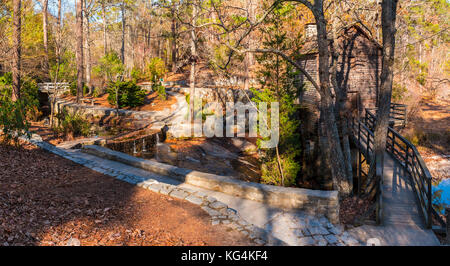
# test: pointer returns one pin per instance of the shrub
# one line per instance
(13, 121)
(156, 69)
(14, 115)
(111, 66)
(161, 90)
(271, 171)
(96, 92)
(130, 94)
(72, 125)
(136, 74)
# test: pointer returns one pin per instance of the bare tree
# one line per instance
(105, 43)
(174, 27)
(17, 25)
(122, 48)
(58, 34)
(87, 13)
(79, 59)
(388, 18)
(45, 33)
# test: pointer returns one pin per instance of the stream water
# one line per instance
(444, 185)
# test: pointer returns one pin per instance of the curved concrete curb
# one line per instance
(316, 202)
(220, 213)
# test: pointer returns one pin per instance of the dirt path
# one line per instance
(46, 200)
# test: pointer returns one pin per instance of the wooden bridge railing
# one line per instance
(397, 115)
(51, 87)
(364, 138)
(407, 155)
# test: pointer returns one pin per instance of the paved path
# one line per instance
(292, 227)
(402, 222)
(273, 226)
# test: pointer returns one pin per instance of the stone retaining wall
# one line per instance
(316, 202)
(221, 95)
(99, 111)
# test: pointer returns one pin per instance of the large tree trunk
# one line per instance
(17, 25)
(88, 48)
(45, 30)
(79, 21)
(388, 18)
(341, 181)
(341, 111)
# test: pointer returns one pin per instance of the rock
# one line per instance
(244, 145)
(192, 159)
(73, 242)
(195, 200)
(335, 230)
(306, 241)
(210, 211)
(332, 239)
(318, 230)
(322, 243)
(180, 194)
(218, 205)
(324, 221)
(314, 222)
(298, 233)
(217, 151)
(259, 241)
(348, 240)
(306, 232)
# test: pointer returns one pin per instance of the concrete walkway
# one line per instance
(293, 227)
(403, 224)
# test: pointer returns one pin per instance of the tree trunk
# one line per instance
(388, 18)
(79, 21)
(58, 37)
(174, 39)
(45, 30)
(122, 49)
(105, 43)
(17, 43)
(338, 167)
(88, 48)
(342, 104)
(193, 62)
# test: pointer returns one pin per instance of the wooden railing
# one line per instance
(407, 155)
(397, 114)
(51, 87)
(364, 138)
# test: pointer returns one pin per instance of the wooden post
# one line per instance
(447, 215)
